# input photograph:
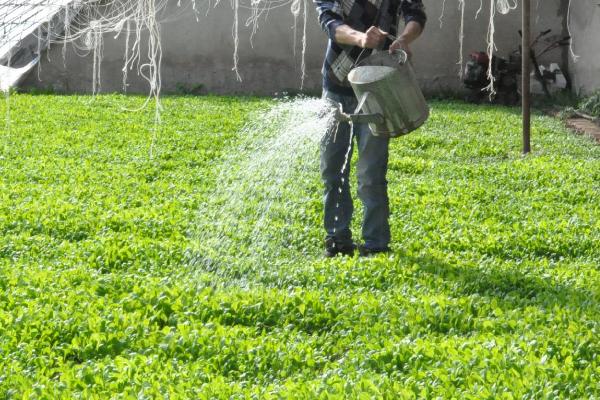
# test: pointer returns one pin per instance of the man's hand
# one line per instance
(412, 30)
(373, 38)
(401, 44)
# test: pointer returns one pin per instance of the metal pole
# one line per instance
(525, 71)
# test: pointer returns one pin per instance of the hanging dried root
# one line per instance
(461, 37)
(573, 55)
(491, 47)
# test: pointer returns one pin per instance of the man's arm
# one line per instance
(332, 22)
(329, 12)
(415, 19)
(371, 39)
(411, 32)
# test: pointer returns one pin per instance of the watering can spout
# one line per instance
(357, 117)
(374, 118)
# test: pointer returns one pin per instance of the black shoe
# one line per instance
(333, 249)
(364, 251)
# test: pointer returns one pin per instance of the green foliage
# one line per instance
(562, 99)
(185, 89)
(591, 105)
(492, 291)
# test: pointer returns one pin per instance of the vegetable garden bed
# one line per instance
(492, 291)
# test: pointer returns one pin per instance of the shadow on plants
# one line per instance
(514, 287)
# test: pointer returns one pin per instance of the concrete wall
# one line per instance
(201, 52)
(585, 28)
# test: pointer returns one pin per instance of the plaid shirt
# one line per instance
(359, 15)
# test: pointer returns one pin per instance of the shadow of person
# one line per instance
(514, 286)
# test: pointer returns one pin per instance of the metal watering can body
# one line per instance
(389, 97)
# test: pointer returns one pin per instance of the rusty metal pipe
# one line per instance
(525, 75)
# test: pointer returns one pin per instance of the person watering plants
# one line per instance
(355, 28)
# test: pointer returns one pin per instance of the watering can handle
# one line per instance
(402, 56)
(361, 102)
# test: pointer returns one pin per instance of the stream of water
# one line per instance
(266, 200)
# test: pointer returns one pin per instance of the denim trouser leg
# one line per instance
(372, 184)
(372, 187)
(338, 207)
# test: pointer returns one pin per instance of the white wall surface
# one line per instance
(585, 27)
(200, 53)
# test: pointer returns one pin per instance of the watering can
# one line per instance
(389, 97)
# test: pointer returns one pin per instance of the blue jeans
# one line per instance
(372, 184)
